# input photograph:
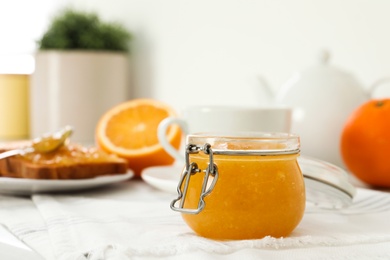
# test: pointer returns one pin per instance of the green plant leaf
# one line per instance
(79, 30)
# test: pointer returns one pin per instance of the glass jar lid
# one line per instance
(327, 185)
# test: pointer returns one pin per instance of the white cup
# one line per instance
(225, 119)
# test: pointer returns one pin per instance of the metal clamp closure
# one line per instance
(209, 179)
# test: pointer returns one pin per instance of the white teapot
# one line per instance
(322, 98)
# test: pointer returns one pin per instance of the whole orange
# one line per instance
(365, 143)
(129, 130)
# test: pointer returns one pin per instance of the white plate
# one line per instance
(326, 184)
(20, 186)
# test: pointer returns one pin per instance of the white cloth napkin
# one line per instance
(74, 227)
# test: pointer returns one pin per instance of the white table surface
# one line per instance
(11, 248)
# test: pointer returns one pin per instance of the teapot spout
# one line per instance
(267, 94)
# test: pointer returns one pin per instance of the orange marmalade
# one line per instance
(254, 188)
(69, 155)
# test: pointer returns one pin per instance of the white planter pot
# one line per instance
(76, 88)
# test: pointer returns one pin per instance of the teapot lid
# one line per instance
(319, 76)
(324, 57)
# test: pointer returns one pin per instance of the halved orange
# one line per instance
(129, 130)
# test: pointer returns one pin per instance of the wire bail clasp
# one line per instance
(209, 179)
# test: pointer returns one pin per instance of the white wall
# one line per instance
(22, 23)
(213, 51)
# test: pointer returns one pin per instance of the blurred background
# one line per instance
(187, 52)
(206, 51)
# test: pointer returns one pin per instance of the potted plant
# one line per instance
(82, 69)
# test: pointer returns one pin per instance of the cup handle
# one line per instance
(162, 137)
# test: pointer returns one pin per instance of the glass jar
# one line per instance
(241, 186)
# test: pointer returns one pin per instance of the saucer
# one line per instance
(165, 178)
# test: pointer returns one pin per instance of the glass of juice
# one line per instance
(241, 185)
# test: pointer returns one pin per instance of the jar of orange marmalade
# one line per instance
(241, 186)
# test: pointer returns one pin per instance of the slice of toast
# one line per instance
(68, 162)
